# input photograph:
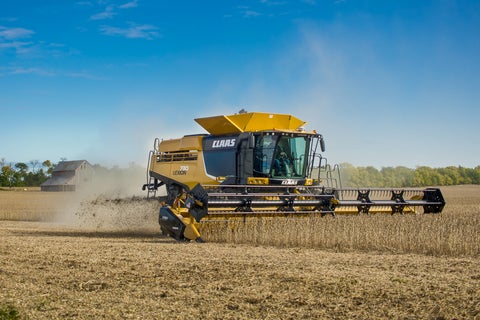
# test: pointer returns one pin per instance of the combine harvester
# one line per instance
(260, 165)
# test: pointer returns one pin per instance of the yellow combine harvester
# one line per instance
(260, 164)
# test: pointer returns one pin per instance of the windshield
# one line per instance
(280, 156)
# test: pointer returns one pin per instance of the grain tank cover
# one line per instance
(247, 122)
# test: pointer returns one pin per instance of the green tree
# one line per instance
(466, 175)
(476, 175)
(35, 179)
(20, 174)
(49, 165)
(426, 176)
(451, 175)
(7, 176)
(349, 174)
(389, 177)
(21, 167)
(369, 177)
(405, 176)
(34, 165)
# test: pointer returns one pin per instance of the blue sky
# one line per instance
(387, 83)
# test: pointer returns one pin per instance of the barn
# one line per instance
(68, 176)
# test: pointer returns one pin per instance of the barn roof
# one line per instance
(69, 165)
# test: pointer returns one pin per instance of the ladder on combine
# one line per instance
(152, 183)
(327, 175)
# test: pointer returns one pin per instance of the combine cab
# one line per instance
(260, 164)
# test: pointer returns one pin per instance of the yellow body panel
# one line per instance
(182, 160)
(187, 172)
(182, 144)
(249, 122)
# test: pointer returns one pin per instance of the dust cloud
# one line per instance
(111, 201)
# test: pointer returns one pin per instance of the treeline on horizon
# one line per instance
(35, 173)
(21, 174)
(400, 177)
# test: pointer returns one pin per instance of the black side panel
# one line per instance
(198, 211)
(433, 195)
(219, 154)
(170, 223)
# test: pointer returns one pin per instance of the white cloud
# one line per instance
(84, 75)
(15, 33)
(56, 45)
(36, 71)
(19, 46)
(134, 32)
(273, 3)
(108, 13)
(9, 39)
(247, 12)
(14, 44)
(131, 4)
(15, 39)
(251, 14)
(84, 3)
(111, 10)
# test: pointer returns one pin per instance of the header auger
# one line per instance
(263, 165)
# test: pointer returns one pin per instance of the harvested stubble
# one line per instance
(32, 205)
(57, 274)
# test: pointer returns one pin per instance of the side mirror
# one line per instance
(251, 141)
(322, 144)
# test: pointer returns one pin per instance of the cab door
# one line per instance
(244, 158)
